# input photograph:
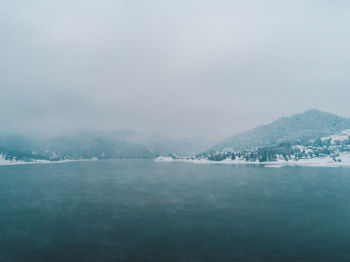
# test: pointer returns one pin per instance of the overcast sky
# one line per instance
(182, 68)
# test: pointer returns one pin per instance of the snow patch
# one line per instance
(6, 162)
(343, 161)
(339, 137)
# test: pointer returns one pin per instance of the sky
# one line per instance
(182, 68)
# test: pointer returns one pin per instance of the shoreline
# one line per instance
(311, 162)
(4, 162)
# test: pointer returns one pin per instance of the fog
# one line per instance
(180, 68)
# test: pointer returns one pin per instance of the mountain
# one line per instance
(82, 145)
(313, 138)
(94, 144)
(311, 124)
(160, 144)
(333, 150)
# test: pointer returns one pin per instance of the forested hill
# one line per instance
(298, 128)
(82, 145)
(94, 144)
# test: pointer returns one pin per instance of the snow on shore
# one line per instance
(6, 162)
(312, 162)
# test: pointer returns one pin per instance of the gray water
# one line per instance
(146, 211)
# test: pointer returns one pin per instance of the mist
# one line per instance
(179, 68)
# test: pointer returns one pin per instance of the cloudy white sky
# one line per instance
(182, 68)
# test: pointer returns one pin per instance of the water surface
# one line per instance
(135, 210)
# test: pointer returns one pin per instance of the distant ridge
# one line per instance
(311, 124)
(94, 144)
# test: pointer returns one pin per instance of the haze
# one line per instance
(180, 68)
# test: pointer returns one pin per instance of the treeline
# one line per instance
(285, 151)
(29, 156)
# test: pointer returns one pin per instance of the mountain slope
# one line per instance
(101, 146)
(311, 124)
(94, 144)
(83, 145)
(160, 144)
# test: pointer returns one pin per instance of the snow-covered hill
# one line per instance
(298, 128)
(312, 148)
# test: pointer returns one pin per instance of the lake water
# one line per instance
(135, 210)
